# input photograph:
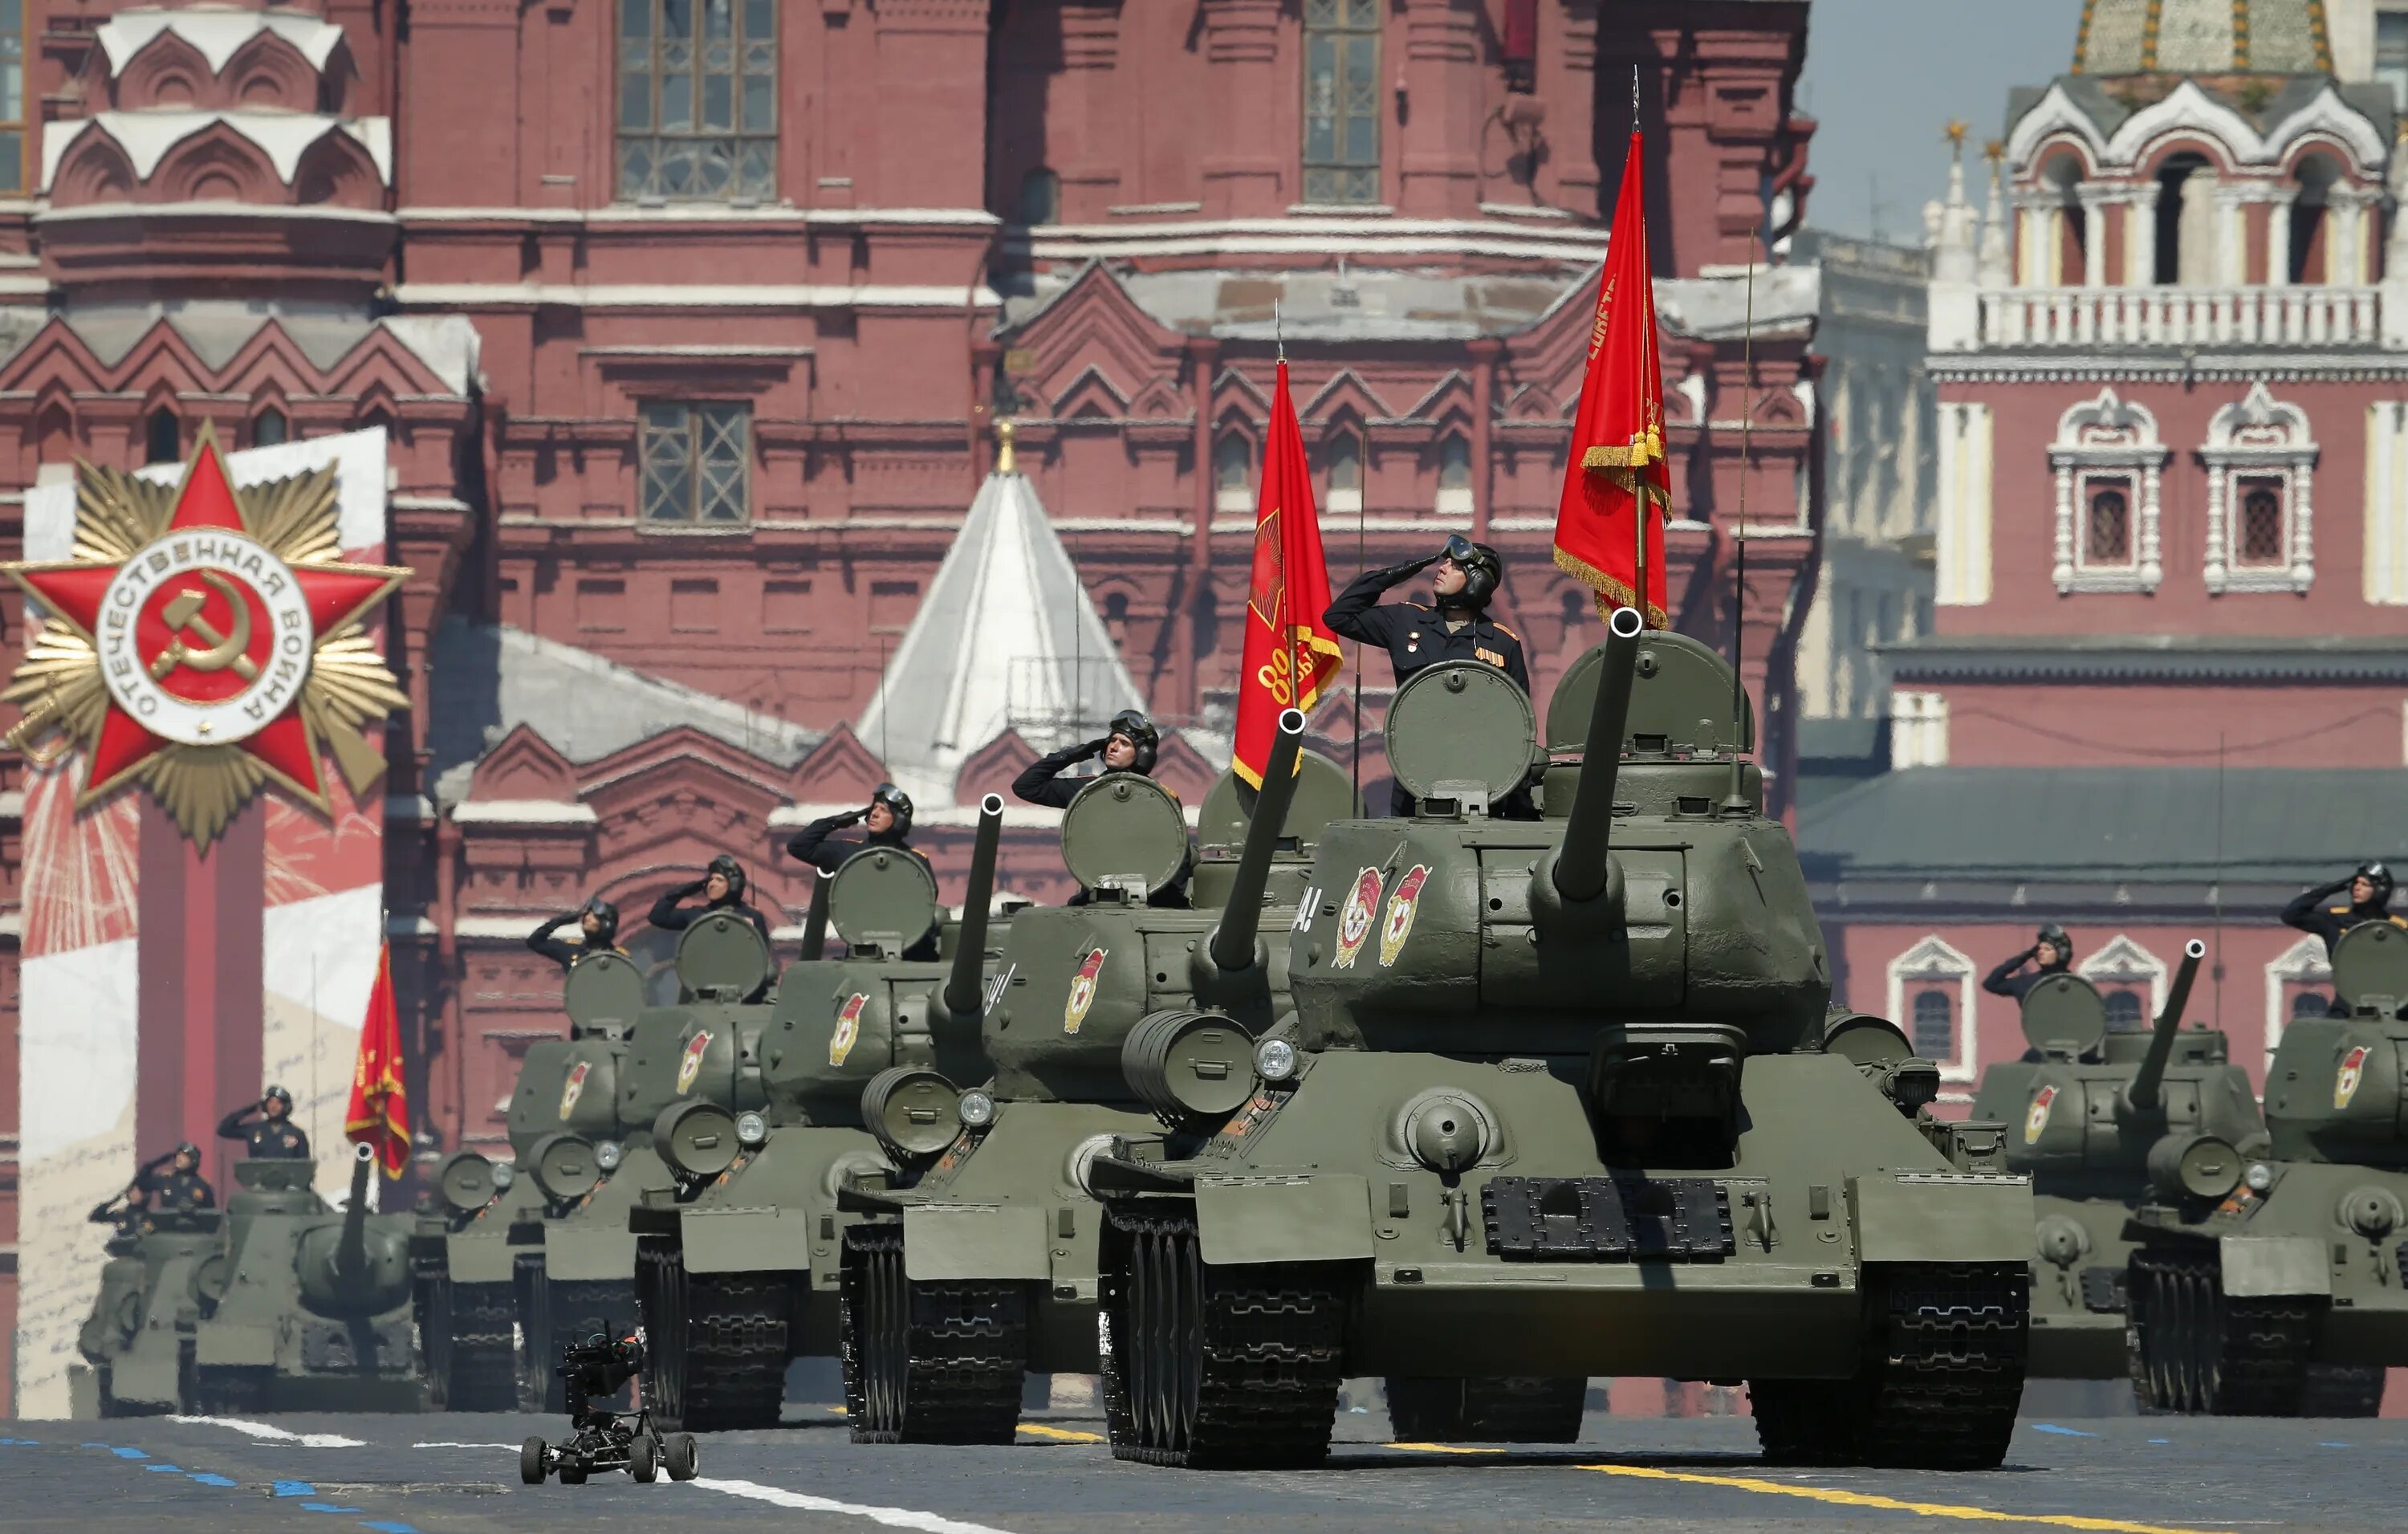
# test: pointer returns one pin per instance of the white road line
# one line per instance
(927, 1523)
(512, 1447)
(261, 1429)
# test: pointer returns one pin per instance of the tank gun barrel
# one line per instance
(815, 919)
(351, 1255)
(963, 986)
(1584, 866)
(2146, 1090)
(1241, 919)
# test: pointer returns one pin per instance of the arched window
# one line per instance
(1342, 101)
(2186, 253)
(1935, 1025)
(2107, 535)
(2306, 257)
(1116, 615)
(1454, 475)
(1342, 462)
(1233, 463)
(2123, 1011)
(1040, 196)
(163, 437)
(269, 429)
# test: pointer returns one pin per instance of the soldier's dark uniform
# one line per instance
(818, 845)
(1043, 784)
(668, 914)
(122, 1214)
(562, 952)
(2316, 912)
(1417, 634)
(2005, 980)
(267, 1139)
(176, 1191)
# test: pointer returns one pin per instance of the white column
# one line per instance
(2094, 235)
(1962, 536)
(2232, 237)
(2345, 238)
(2278, 236)
(2141, 235)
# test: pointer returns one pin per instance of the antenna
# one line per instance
(2215, 891)
(883, 759)
(1358, 664)
(1736, 801)
(1279, 330)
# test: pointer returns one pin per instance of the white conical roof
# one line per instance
(1006, 639)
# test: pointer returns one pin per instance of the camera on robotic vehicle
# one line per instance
(604, 1440)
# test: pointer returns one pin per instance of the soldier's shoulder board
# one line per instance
(1507, 632)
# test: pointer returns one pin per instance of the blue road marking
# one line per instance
(166, 1470)
(2332, 1445)
(126, 1454)
(324, 1507)
(2066, 1432)
(2161, 1440)
(95, 1445)
(208, 1478)
(383, 1526)
(21, 1442)
(295, 1488)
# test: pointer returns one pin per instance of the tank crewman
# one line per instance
(2048, 956)
(129, 1211)
(1129, 744)
(1453, 627)
(885, 821)
(274, 1135)
(597, 920)
(722, 888)
(177, 1187)
(2316, 910)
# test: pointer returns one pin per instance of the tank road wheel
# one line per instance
(930, 1362)
(716, 1354)
(1232, 1368)
(1941, 1372)
(2342, 1390)
(2197, 1350)
(531, 1462)
(1428, 1409)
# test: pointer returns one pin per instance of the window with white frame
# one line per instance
(2260, 459)
(1233, 468)
(2299, 983)
(2391, 54)
(1932, 993)
(1454, 476)
(2131, 981)
(2108, 459)
(1342, 460)
(696, 461)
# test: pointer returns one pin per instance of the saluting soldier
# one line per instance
(722, 888)
(598, 919)
(1453, 627)
(181, 1188)
(1129, 744)
(274, 1135)
(128, 1213)
(885, 821)
(2051, 952)
(2370, 900)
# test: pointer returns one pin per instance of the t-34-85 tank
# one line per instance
(1557, 1104)
(483, 1216)
(737, 1253)
(2270, 1285)
(2097, 1119)
(315, 1315)
(981, 1267)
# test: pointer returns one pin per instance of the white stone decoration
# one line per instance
(2123, 962)
(1933, 962)
(2387, 503)
(2103, 438)
(1962, 534)
(1918, 729)
(2186, 107)
(2260, 438)
(2301, 964)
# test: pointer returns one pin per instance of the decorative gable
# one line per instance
(991, 768)
(839, 770)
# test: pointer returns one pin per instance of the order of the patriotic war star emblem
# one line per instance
(204, 641)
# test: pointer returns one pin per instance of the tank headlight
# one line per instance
(977, 1108)
(504, 1174)
(2260, 1177)
(1275, 1060)
(607, 1155)
(752, 1130)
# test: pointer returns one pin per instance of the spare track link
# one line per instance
(482, 1373)
(1216, 1368)
(1942, 1373)
(719, 1341)
(2194, 1349)
(1426, 1409)
(927, 1362)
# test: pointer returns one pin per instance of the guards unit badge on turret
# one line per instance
(205, 640)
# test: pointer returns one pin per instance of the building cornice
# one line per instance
(2134, 366)
(2147, 658)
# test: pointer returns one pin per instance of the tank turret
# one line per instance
(2335, 1090)
(359, 1266)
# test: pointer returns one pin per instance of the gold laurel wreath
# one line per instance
(348, 689)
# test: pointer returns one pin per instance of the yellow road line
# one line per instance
(1068, 1435)
(1844, 1498)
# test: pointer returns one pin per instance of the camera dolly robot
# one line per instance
(605, 1440)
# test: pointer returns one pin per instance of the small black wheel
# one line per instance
(531, 1455)
(684, 1459)
(572, 1471)
(643, 1458)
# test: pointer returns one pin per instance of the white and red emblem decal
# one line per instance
(573, 1089)
(691, 1066)
(848, 1028)
(2037, 1119)
(1083, 991)
(1401, 906)
(1355, 919)
(2353, 1070)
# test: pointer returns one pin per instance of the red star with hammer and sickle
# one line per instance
(205, 502)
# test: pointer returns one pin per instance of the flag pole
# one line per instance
(1738, 799)
(1638, 490)
(1287, 594)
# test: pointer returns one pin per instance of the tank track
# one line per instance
(1219, 1367)
(2342, 1390)
(1942, 1373)
(471, 1360)
(2193, 1349)
(1428, 1409)
(930, 1362)
(230, 1392)
(716, 1354)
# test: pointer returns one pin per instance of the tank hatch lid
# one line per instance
(720, 954)
(1862, 1038)
(884, 897)
(1324, 793)
(1679, 685)
(1123, 828)
(278, 1175)
(2371, 960)
(2064, 1012)
(1460, 723)
(603, 994)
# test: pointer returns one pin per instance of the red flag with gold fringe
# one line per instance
(1290, 653)
(1617, 486)
(379, 1111)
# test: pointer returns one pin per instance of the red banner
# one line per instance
(1617, 486)
(1290, 653)
(380, 1110)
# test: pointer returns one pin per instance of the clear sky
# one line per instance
(1883, 76)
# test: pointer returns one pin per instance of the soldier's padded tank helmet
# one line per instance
(1483, 570)
(186, 1148)
(279, 1094)
(1139, 731)
(605, 916)
(2379, 875)
(733, 871)
(897, 803)
(2054, 936)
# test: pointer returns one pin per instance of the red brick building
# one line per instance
(690, 321)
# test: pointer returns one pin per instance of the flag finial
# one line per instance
(1634, 98)
(1279, 330)
(1006, 458)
